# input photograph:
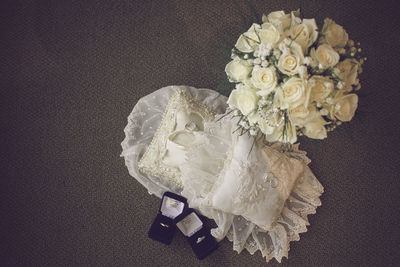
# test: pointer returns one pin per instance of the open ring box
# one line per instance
(163, 227)
(197, 234)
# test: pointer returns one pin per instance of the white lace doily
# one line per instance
(303, 200)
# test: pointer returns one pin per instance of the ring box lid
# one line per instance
(197, 234)
(163, 227)
(172, 205)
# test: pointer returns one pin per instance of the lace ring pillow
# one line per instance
(152, 121)
(189, 154)
(182, 116)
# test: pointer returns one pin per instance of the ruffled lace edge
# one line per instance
(303, 201)
(276, 243)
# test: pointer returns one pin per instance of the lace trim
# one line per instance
(303, 200)
(292, 221)
(275, 243)
(151, 163)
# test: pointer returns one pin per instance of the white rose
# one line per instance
(264, 79)
(299, 115)
(344, 106)
(279, 19)
(244, 98)
(325, 55)
(269, 34)
(316, 128)
(320, 87)
(262, 124)
(278, 135)
(291, 59)
(334, 34)
(253, 118)
(295, 18)
(302, 115)
(249, 40)
(305, 34)
(348, 73)
(238, 70)
(293, 93)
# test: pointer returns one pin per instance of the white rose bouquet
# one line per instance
(292, 78)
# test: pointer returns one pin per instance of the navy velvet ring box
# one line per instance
(174, 212)
(197, 234)
(163, 227)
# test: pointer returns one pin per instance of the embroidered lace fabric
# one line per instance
(158, 160)
(143, 122)
(260, 199)
(249, 220)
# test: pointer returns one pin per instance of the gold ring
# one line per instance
(190, 127)
(164, 225)
(200, 239)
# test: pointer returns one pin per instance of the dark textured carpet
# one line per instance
(71, 72)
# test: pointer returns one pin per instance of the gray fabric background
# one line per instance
(71, 72)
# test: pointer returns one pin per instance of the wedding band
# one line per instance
(200, 239)
(164, 225)
(190, 127)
